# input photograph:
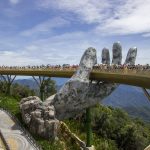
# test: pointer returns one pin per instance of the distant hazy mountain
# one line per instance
(27, 82)
(33, 85)
(60, 81)
(129, 98)
(132, 100)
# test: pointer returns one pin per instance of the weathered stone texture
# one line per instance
(105, 56)
(28, 105)
(117, 53)
(71, 97)
(39, 118)
(131, 56)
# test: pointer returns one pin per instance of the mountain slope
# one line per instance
(33, 85)
(129, 98)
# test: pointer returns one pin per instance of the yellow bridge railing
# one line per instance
(130, 77)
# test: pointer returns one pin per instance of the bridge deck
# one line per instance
(15, 138)
(131, 78)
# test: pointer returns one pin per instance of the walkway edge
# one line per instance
(28, 136)
(4, 141)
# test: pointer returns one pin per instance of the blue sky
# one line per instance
(58, 31)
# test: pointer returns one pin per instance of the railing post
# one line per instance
(88, 128)
(146, 93)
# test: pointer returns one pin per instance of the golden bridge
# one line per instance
(133, 77)
(130, 77)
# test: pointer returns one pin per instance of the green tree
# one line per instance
(2, 87)
(49, 87)
(20, 91)
(132, 138)
(114, 124)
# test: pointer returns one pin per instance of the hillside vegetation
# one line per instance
(132, 100)
(112, 128)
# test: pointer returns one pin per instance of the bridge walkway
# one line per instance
(14, 136)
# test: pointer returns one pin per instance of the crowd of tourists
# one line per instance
(97, 67)
(59, 67)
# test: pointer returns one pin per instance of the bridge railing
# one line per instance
(139, 71)
(4, 141)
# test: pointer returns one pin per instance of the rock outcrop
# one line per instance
(75, 96)
(39, 118)
(28, 105)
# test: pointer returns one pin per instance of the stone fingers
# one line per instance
(105, 56)
(71, 97)
(117, 53)
(131, 56)
(87, 62)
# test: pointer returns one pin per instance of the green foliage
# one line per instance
(50, 87)
(115, 124)
(12, 104)
(20, 91)
(112, 128)
(78, 127)
(48, 145)
(47, 88)
(2, 87)
(103, 144)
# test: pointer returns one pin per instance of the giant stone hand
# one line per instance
(75, 96)
(79, 92)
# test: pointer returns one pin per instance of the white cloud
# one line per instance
(87, 10)
(14, 1)
(65, 48)
(14, 58)
(109, 17)
(131, 18)
(53, 50)
(112, 17)
(146, 35)
(69, 48)
(45, 26)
